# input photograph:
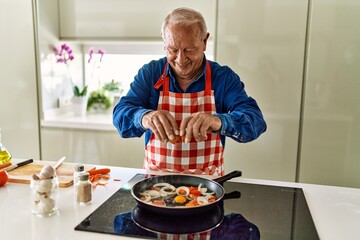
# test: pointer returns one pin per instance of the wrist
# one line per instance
(216, 125)
(141, 122)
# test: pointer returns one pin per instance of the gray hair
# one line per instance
(185, 16)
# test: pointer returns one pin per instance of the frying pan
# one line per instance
(169, 224)
(214, 185)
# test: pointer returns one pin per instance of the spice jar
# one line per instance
(44, 196)
(83, 189)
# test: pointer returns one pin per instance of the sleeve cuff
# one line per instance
(224, 124)
(138, 118)
(228, 128)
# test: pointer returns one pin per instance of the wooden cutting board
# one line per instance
(64, 172)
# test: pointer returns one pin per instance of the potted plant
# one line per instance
(65, 55)
(80, 101)
(99, 101)
(115, 90)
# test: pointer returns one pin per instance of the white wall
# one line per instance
(19, 119)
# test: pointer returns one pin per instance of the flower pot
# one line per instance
(80, 105)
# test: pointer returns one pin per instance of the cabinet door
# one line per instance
(331, 130)
(18, 87)
(263, 41)
(92, 147)
(123, 18)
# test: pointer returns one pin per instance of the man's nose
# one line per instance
(181, 57)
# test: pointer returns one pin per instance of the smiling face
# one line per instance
(185, 46)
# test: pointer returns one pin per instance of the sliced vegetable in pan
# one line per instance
(165, 194)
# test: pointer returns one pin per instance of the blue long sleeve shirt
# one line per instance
(240, 115)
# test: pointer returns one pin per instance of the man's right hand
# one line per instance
(162, 124)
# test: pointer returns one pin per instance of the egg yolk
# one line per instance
(180, 199)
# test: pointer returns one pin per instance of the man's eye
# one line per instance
(189, 51)
(172, 51)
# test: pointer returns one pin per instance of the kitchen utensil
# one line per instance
(16, 165)
(194, 224)
(58, 163)
(182, 180)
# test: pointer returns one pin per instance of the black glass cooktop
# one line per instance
(262, 212)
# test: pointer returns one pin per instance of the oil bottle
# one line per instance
(4, 154)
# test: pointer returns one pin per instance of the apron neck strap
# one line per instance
(162, 78)
(208, 78)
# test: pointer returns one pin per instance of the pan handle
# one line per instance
(228, 176)
(232, 195)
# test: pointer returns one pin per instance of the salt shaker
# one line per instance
(83, 189)
(78, 168)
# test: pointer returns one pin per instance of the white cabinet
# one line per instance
(124, 18)
(310, 102)
(92, 147)
(19, 119)
(264, 41)
(331, 130)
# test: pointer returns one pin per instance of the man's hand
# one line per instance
(197, 125)
(162, 124)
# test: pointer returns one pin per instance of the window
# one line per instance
(121, 62)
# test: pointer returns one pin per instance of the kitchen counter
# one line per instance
(335, 210)
(91, 121)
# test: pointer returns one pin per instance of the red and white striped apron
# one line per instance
(203, 157)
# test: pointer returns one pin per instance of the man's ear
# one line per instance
(206, 39)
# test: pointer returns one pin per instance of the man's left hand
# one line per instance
(197, 125)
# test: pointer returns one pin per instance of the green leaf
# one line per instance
(84, 91)
(77, 92)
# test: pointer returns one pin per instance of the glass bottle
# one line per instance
(78, 168)
(5, 156)
(83, 189)
(44, 196)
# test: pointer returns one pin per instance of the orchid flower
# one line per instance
(63, 54)
(91, 52)
(101, 52)
(95, 62)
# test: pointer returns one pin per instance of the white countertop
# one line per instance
(91, 121)
(335, 210)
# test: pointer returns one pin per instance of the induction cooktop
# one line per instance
(262, 212)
